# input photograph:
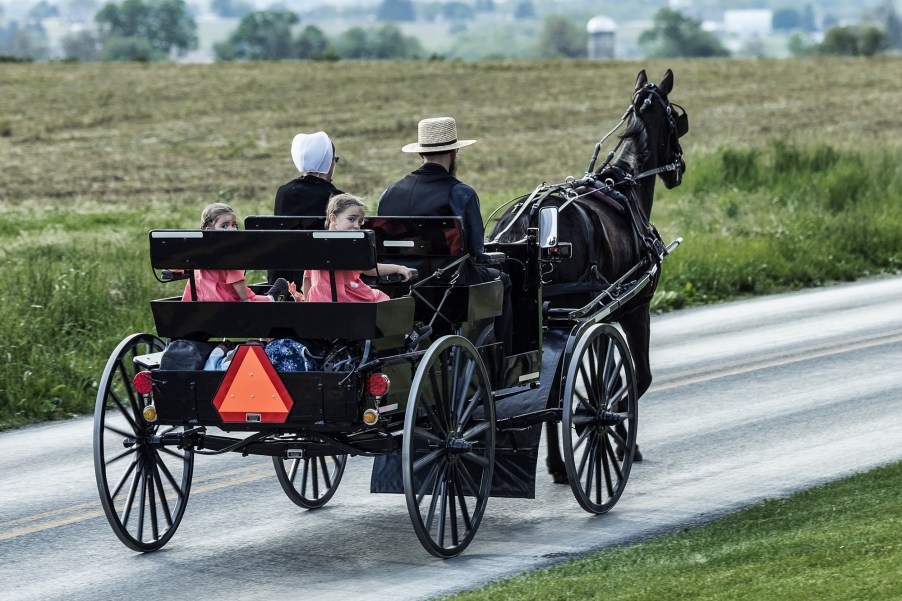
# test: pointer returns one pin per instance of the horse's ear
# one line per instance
(666, 84)
(641, 80)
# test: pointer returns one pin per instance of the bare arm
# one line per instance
(388, 269)
(241, 290)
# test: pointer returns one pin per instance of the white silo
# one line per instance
(602, 31)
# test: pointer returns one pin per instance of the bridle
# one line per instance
(678, 123)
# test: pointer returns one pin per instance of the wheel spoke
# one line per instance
(428, 435)
(599, 384)
(124, 478)
(428, 458)
(471, 405)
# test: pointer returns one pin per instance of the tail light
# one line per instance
(377, 384)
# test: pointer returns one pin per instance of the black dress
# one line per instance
(301, 197)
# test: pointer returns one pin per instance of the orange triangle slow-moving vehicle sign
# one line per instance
(251, 390)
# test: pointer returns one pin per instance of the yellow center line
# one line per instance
(94, 512)
(234, 477)
(776, 360)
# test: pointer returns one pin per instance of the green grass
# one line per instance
(791, 180)
(836, 542)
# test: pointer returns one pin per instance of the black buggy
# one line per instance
(450, 418)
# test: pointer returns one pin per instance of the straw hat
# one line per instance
(438, 134)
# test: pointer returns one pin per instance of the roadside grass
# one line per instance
(839, 541)
(789, 184)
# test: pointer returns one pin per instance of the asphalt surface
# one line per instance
(751, 400)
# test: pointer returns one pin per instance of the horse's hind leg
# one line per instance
(553, 460)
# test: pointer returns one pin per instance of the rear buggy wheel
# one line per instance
(310, 481)
(143, 485)
(600, 407)
(448, 451)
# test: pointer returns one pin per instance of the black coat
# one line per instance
(302, 197)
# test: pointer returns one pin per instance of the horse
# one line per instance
(618, 235)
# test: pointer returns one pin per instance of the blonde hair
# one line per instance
(342, 202)
(212, 213)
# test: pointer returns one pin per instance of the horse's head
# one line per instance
(659, 124)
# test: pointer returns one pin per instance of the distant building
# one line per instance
(602, 33)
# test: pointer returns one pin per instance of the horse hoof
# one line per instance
(560, 478)
(637, 456)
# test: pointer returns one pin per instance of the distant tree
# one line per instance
(261, 35)
(396, 10)
(562, 37)
(852, 41)
(164, 24)
(892, 26)
(312, 44)
(800, 45)
(80, 11)
(354, 43)
(118, 48)
(43, 10)
(386, 42)
(674, 34)
(389, 42)
(27, 43)
(484, 6)
(231, 8)
(83, 46)
(457, 11)
(786, 19)
(525, 10)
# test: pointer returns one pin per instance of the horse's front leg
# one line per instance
(637, 328)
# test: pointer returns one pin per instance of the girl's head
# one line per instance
(218, 216)
(345, 212)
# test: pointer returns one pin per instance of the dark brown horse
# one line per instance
(608, 237)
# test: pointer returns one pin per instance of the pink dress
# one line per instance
(348, 287)
(216, 285)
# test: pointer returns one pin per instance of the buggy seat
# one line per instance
(273, 249)
(428, 244)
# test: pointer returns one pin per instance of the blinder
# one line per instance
(680, 120)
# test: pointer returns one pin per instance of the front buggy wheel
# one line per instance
(310, 481)
(143, 484)
(448, 451)
(600, 406)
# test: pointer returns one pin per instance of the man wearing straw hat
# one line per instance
(433, 189)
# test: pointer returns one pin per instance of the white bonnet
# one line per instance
(312, 153)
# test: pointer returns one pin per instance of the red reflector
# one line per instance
(377, 384)
(143, 382)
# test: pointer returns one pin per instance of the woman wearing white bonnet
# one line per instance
(314, 156)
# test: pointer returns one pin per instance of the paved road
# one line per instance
(752, 400)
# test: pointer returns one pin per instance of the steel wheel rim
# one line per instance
(448, 450)
(599, 418)
(310, 481)
(143, 487)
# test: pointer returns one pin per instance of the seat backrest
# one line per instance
(262, 249)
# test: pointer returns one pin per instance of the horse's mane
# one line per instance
(635, 150)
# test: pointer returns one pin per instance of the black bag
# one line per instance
(185, 355)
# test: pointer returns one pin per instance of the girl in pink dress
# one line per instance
(346, 212)
(228, 284)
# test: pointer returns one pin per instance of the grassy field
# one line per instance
(837, 542)
(792, 175)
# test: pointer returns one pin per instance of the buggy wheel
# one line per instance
(600, 406)
(448, 451)
(310, 481)
(143, 484)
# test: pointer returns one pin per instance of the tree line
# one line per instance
(153, 30)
